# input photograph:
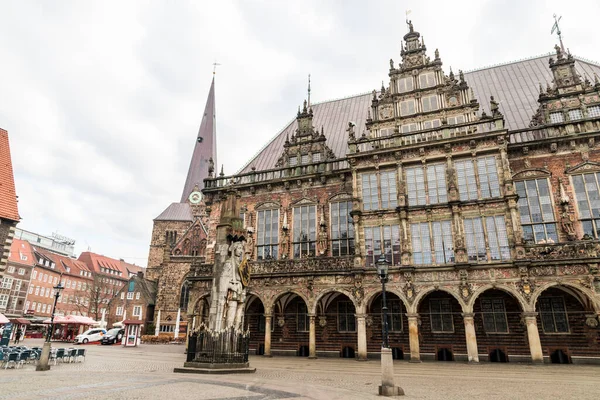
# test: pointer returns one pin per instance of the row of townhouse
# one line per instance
(90, 282)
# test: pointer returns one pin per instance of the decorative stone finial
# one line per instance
(222, 173)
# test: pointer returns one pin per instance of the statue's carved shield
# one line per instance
(244, 270)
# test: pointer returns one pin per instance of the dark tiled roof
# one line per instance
(176, 212)
(8, 195)
(204, 149)
(514, 85)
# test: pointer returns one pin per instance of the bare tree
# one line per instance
(95, 297)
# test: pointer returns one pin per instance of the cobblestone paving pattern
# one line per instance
(113, 372)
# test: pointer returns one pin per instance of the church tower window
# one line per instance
(268, 234)
(184, 296)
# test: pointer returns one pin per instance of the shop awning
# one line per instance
(72, 319)
(3, 319)
(132, 322)
(22, 321)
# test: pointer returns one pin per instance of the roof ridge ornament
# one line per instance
(556, 28)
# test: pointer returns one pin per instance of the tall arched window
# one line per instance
(184, 296)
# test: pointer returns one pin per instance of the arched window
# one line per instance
(184, 296)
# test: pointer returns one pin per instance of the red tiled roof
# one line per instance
(8, 195)
(75, 266)
(96, 261)
(20, 248)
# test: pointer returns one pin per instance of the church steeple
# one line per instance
(205, 148)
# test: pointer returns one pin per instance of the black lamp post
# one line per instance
(45, 357)
(382, 270)
(388, 387)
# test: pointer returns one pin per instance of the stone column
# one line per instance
(472, 352)
(413, 337)
(267, 336)
(533, 335)
(312, 337)
(362, 337)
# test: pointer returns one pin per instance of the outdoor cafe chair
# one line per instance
(72, 353)
(80, 353)
(12, 358)
(59, 355)
(24, 357)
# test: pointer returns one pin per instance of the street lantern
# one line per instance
(383, 266)
(44, 364)
(387, 388)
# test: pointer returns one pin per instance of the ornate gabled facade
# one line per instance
(489, 226)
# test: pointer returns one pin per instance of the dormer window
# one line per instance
(426, 80)
(407, 107)
(406, 84)
(557, 117)
(293, 161)
(574, 115)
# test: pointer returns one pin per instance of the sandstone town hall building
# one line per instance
(482, 189)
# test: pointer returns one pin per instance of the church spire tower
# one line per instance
(204, 149)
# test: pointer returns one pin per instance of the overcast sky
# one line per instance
(102, 100)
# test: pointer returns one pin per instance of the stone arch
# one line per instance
(249, 299)
(269, 305)
(368, 301)
(582, 294)
(525, 307)
(415, 305)
(312, 308)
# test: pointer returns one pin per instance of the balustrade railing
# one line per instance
(279, 173)
(568, 250)
(552, 131)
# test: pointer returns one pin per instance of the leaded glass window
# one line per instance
(406, 84)
(557, 117)
(415, 182)
(435, 179)
(426, 80)
(389, 197)
(587, 194)
(316, 157)
(574, 115)
(305, 158)
(421, 243)
(436, 183)
(305, 231)
(536, 211)
(494, 315)
(407, 128)
(379, 190)
(384, 239)
(342, 229)
(293, 161)
(475, 239)
(407, 107)
(440, 311)
(434, 123)
(553, 314)
(488, 177)
(302, 319)
(267, 235)
(467, 183)
(593, 111)
(497, 238)
(369, 192)
(442, 242)
(394, 315)
(437, 236)
(346, 318)
(430, 103)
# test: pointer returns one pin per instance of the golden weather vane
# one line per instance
(215, 67)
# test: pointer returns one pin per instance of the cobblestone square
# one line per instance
(146, 372)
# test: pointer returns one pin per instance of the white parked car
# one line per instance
(91, 335)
